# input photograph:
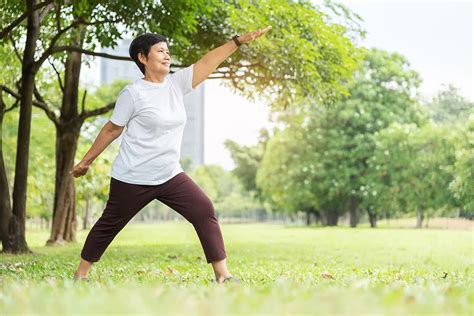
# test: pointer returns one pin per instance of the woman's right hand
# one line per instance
(251, 36)
(80, 169)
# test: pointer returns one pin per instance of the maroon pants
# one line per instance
(180, 193)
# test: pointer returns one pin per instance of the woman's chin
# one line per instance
(163, 70)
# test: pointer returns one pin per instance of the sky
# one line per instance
(435, 36)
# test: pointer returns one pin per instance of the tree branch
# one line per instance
(39, 104)
(83, 100)
(17, 101)
(99, 111)
(57, 74)
(51, 49)
(15, 49)
(87, 52)
(19, 19)
(45, 11)
(55, 38)
(126, 58)
(58, 16)
(44, 106)
(38, 95)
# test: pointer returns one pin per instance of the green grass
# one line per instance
(377, 271)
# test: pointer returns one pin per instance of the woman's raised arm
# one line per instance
(209, 62)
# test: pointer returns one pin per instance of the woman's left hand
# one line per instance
(246, 38)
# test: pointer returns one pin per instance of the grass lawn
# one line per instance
(161, 268)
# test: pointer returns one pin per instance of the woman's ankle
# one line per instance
(221, 277)
(80, 274)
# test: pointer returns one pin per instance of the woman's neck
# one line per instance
(153, 77)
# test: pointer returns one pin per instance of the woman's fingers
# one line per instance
(78, 171)
(260, 32)
(250, 36)
(264, 30)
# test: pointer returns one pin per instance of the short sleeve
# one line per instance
(183, 80)
(124, 108)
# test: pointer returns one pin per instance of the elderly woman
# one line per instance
(147, 166)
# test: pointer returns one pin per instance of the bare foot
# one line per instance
(78, 275)
(229, 278)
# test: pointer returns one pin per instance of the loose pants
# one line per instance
(180, 193)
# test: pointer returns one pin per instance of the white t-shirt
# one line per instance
(155, 117)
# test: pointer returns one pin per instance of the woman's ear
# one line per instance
(142, 58)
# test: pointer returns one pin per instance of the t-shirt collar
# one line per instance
(152, 84)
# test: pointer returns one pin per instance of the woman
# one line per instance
(147, 166)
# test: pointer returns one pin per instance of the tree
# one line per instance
(412, 169)
(224, 189)
(77, 15)
(384, 90)
(324, 150)
(448, 106)
(308, 54)
(326, 58)
(247, 160)
(9, 65)
(282, 176)
(463, 182)
(14, 240)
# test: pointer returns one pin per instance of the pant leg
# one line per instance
(124, 202)
(184, 196)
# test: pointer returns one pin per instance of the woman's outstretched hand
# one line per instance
(80, 169)
(246, 38)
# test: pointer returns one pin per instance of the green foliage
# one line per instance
(160, 269)
(448, 106)
(247, 160)
(40, 192)
(411, 169)
(186, 163)
(463, 183)
(305, 55)
(10, 64)
(42, 161)
(92, 189)
(283, 173)
(309, 61)
(225, 191)
(321, 157)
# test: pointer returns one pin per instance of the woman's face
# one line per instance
(158, 60)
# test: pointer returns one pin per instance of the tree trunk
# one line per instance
(329, 218)
(372, 219)
(5, 203)
(16, 225)
(419, 218)
(317, 216)
(64, 224)
(333, 217)
(67, 135)
(308, 218)
(354, 214)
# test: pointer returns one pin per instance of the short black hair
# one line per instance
(142, 44)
